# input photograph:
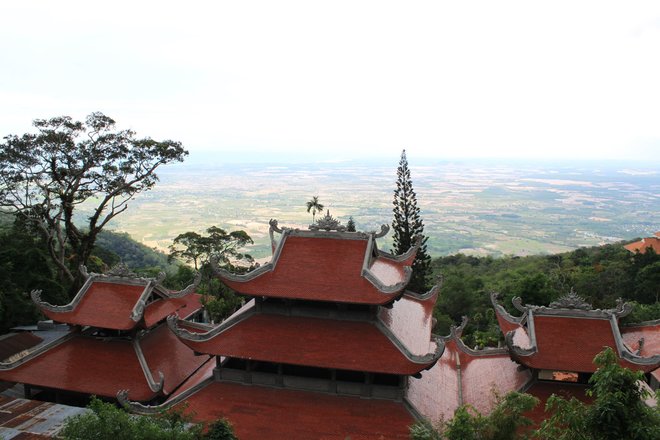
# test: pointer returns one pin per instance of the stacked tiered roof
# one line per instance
(328, 314)
(118, 340)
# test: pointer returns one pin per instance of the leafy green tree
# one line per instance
(617, 412)
(408, 227)
(220, 430)
(45, 177)
(350, 226)
(315, 206)
(105, 421)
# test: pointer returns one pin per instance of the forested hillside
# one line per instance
(599, 274)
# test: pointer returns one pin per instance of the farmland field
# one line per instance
(472, 207)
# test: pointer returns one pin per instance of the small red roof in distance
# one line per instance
(104, 305)
(259, 413)
(314, 342)
(323, 269)
(644, 243)
(163, 307)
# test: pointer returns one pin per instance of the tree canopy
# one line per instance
(47, 176)
(314, 206)
(408, 226)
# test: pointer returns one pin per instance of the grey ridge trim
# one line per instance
(138, 308)
(409, 253)
(414, 358)
(519, 351)
(138, 408)
(35, 352)
(181, 293)
(455, 333)
(36, 297)
(501, 311)
(424, 296)
(182, 333)
(624, 351)
(378, 284)
(154, 386)
(571, 305)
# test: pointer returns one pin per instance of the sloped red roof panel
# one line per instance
(160, 309)
(105, 305)
(86, 365)
(315, 342)
(411, 320)
(259, 413)
(460, 378)
(649, 333)
(323, 269)
(165, 353)
(569, 343)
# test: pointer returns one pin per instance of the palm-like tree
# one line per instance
(315, 206)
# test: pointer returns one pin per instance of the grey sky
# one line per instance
(557, 79)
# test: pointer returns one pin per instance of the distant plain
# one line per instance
(474, 207)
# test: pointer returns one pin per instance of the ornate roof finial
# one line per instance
(121, 270)
(571, 301)
(328, 223)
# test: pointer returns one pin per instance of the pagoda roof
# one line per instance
(120, 302)
(568, 334)
(331, 266)
(155, 363)
(305, 340)
(465, 376)
(642, 245)
(258, 412)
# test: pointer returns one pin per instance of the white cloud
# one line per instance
(563, 79)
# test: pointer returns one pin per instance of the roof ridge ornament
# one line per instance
(572, 301)
(121, 270)
(327, 223)
(384, 229)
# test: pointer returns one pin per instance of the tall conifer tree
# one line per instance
(407, 225)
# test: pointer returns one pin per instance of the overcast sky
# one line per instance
(340, 79)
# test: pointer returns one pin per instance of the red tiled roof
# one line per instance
(92, 365)
(460, 377)
(259, 413)
(163, 307)
(164, 352)
(324, 269)
(650, 333)
(314, 342)
(110, 304)
(571, 343)
(644, 243)
(105, 305)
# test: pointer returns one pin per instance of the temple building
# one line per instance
(118, 339)
(328, 344)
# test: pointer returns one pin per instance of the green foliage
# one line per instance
(617, 412)
(350, 226)
(198, 249)
(315, 206)
(113, 247)
(601, 275)
(45, 176)
(408, 227)
(107, 422)
(220, 430)
(503, 423)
